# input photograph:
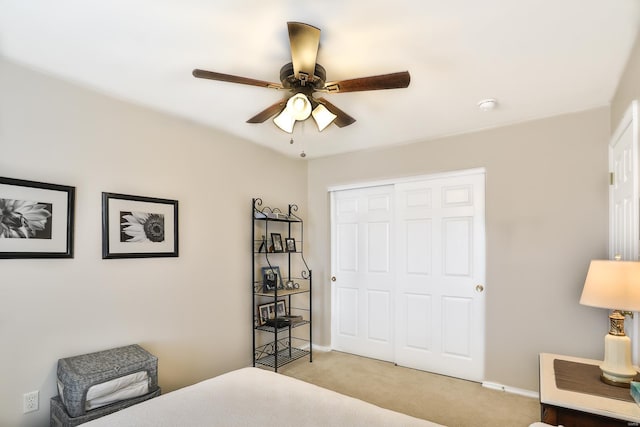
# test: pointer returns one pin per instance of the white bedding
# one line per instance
(255, 397)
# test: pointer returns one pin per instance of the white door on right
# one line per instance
(623, 194)
(440, 279)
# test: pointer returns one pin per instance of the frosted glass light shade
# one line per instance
(612, 284)
(285, 121)
(299, 106)
(323, 117)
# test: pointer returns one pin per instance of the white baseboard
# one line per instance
(315, 348)
(514, 390)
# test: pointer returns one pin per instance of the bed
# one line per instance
(255, 397)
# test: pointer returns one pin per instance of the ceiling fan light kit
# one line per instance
(302, 77)
(299, 108)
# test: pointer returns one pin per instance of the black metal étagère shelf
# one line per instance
(281, 287)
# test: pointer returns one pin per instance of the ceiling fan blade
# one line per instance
(212, 75)
(268, 112)
(304, 40)
(343, 118)
(384, 81)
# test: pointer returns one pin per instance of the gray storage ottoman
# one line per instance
(79, 373)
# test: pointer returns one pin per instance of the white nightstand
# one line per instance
(581, 409)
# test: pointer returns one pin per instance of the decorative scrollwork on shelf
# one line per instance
(271, 348)
(283, 344)
(304, 274)
(265, 350)
(294, 208)
(257, 207)
(268, 209)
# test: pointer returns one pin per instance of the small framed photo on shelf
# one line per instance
(271, 279)
(290, 244)
(276, 241)
(281, 308)
(270, 311)
(265, 312)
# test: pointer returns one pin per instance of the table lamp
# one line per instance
(614, 285)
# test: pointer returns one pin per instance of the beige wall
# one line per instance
(546, 218)
(628, 87)
(193, 311)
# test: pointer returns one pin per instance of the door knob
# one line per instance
(479, 288)
(333, 278)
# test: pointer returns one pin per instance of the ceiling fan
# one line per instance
(302, 77)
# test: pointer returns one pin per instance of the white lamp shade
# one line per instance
(612, 284)
(323, 117)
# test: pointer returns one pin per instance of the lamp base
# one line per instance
(617, 369)
(623, 384)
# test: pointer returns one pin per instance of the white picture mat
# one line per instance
(58, 218)
(121, 205)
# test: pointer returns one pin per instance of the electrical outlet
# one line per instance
(30, 401)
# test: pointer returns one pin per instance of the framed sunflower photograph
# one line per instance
(138, 227)
(36, 219)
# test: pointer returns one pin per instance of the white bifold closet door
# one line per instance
(409, 269)
(362, 253)
(439, 291)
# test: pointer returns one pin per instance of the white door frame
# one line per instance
(628, 121)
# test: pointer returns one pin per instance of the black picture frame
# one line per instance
(270, 311)
(271, 278)
(276, 241)
(264, 314)
(138, 227)
(290, 244)
(36, 219)
(281, 308)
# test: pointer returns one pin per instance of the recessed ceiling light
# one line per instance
(488, 104)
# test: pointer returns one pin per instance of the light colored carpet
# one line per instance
(444, 400)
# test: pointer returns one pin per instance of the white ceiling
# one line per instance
(539, 58)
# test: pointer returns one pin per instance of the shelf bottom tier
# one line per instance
(285, 356)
